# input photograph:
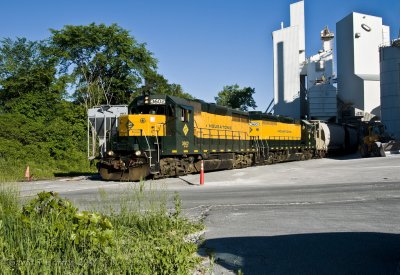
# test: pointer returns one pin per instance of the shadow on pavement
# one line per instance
(320, 253)
(345, 156)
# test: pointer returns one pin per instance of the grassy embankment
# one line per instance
(48, 235)
(13, 171)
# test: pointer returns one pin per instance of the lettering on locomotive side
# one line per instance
(223, 127)
(254, 124)
(285, 131)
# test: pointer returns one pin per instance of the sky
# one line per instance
(201, 44)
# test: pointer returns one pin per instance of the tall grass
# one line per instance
(50, 235)
(12, 171)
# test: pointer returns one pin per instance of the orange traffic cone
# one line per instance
(202, 172)
(28, 174)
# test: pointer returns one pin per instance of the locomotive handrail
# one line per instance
(210, 133)
(218, 134)
(148, 145)
(158, 148)
(281, 138)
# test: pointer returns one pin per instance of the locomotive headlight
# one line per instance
(146, 100)
(130, 125)
(110, 153)
(138, 153)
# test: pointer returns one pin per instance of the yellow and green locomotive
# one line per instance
(164, 136)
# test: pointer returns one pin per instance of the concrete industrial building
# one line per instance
(321, 93)
(303, 87)
(306, 88)
(289, 59)
(358, 39)
(390, 87)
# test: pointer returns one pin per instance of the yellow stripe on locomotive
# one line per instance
(274, 130)
(142, 125)
(229, 127)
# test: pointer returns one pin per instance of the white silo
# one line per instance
(289, 59)
(390, 87)
(358, 39)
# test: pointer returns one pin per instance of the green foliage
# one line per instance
(42, 124)
(49, 147)
(157, 84)
(27, 78)
(49, 235)
(106, 62)
(92, 230)
(178, 205)
(39, 127)
(8, 200)
(236, 98)
(48, 204)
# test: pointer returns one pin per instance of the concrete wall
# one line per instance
(286, 72)
(297, 19)
(366, 47)
(358, 39)
(372, 97)
(347, 81)
(289, 54)
(390, 89)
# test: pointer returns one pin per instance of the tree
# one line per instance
(157, 84)
(104, 63)
(236, 98)
(28, 78)
(38, 126)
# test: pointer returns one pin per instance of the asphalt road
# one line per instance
(329, 216)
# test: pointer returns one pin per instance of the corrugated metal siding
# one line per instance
(390, 89)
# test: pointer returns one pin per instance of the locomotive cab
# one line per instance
(156, 125)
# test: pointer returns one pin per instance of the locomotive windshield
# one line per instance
(153, 110)
(149, 109)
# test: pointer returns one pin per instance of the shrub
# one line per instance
(50, 235)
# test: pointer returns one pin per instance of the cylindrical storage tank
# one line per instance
(390, 89)
(334, 137)
(352, 139)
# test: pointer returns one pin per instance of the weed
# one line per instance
(178, 205)
(50, 235)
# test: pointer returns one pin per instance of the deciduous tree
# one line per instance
(157, 84)
(28, 83)
(105, 63)
(235, 97)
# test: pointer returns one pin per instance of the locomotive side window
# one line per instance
(182, 115)
(170, 111)
(185, 115)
